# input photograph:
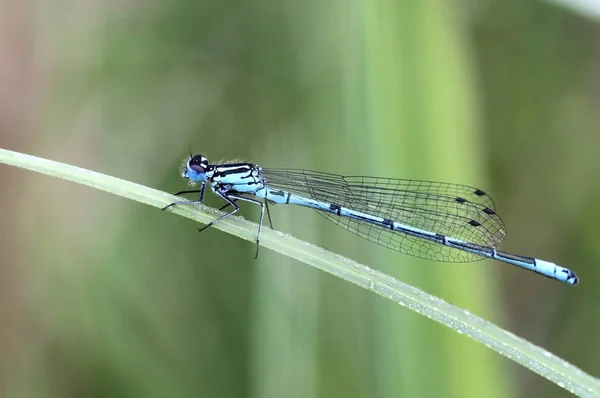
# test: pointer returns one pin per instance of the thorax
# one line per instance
(239, 177)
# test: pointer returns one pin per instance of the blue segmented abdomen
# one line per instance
(424, 240)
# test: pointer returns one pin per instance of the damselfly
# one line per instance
(432, 220)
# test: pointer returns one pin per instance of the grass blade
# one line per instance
(519, 350)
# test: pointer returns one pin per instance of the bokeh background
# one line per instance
(103, 297)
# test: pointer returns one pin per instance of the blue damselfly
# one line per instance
(432, 220)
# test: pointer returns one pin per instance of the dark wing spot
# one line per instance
(460, 200)
(487, 210)
(474, 223)
(479, 192)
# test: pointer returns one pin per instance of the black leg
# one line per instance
(202, 190)
(181, 203)
(189, 202)
(186, 192)
(268, 214)
(262, 216)
(229, 202)
(225, 205)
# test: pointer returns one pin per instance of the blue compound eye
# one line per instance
(195, 169)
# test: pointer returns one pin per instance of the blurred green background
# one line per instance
(104, 297)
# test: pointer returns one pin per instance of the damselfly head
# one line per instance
(195, 168)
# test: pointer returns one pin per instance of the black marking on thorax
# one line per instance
(230, 169)
(245, 171)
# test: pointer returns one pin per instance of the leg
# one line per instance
(268, 214)
(231, 199)
(225, 205)
(189, 202)
(185, 192)
(229, 202)
(262, 215)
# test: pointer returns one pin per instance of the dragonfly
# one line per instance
(431, 220)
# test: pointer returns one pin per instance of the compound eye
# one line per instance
(195, 169)
(198, 164)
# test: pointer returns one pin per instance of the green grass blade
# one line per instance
(519, 350)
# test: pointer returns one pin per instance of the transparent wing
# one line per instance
(452, 210)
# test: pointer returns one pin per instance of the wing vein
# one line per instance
(453, 210)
